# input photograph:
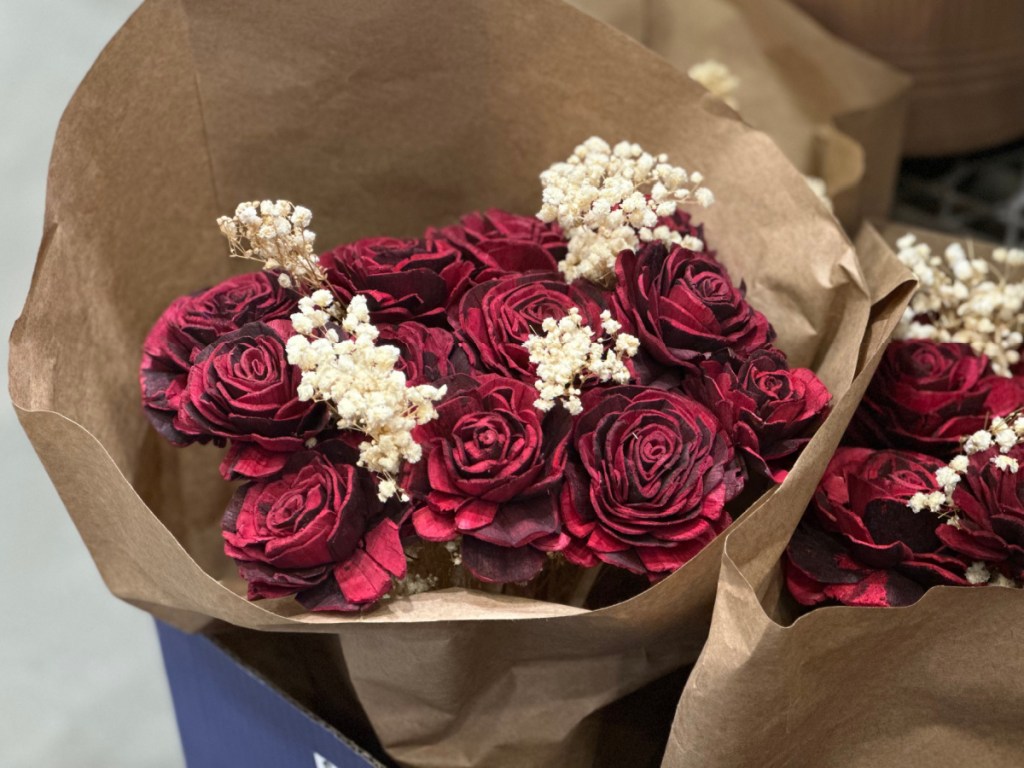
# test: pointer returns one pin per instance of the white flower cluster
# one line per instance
(275, 234)
(718, 79)
(967, 300)
(1002, 434)
(979, 573)
(568, 355)
(358, 380)
(608, 200)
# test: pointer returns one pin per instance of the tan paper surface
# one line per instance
(836, 112)
(383, 118)
(934, 684)
(966, 60)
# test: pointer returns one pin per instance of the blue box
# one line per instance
(231, 715)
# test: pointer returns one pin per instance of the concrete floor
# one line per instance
(81, 678)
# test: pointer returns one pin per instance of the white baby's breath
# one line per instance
(610, 199)
(570, 353)
(967, 300)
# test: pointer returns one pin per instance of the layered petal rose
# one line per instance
(494, 318)
(648, 488)
(769, 409)
(991, 503)
(683, 306)
(860, 544)
(316, 531)
(191, 323)
(491, 471)
(426, 354)
(502, 243)
(401, 279)
(241, 387)
(924, 397)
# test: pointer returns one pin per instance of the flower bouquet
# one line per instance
(350, 109)
(920, 508)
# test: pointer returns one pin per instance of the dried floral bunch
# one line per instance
(456, 410)
(967, 300)
(928, 490)
(718, 79)
(611, 199)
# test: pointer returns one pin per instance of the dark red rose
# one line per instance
(316, 531)
(192, 322)
(241, 387)
(769, 409)
(491, 470)
(427, 354)
(654, 472)
(502, 243)
(991, 503)
(924, 397)
(494, 318)
(683, 306)
(860, 544)
(401, 279)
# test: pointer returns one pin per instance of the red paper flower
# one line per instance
(427, 354)
(401, 279)
(495, 318)
(503, 243)
(860, 544)
(192, 322)
(924, 397)
(769, 409)
(648, 492)
(317, 532)
(242, 388)
(683, 306)
(491, 471)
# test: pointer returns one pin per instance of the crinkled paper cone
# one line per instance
(835, 111)
(383, 118)
(934, 684)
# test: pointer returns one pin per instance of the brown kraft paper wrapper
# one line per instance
(836, 112)
(383, 118)
(934, 684)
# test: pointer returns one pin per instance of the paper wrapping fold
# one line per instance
(836, 112)
(934, 684)
(381, 117)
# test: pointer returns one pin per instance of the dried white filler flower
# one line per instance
(718, 79)
(967, 300)
(276, 235)
(568, 355)
(608, 200)
(358, 380)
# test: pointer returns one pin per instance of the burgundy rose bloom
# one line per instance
(991, 502)
(316, 532)
(924, 397)
(860, 544)
(491, 471)
(683, 306)
(192, 322)
(502, 243)
(494, 318)
(654, 472)
(401, 279)
(427, 354)
(769, 409)
(241, 387)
